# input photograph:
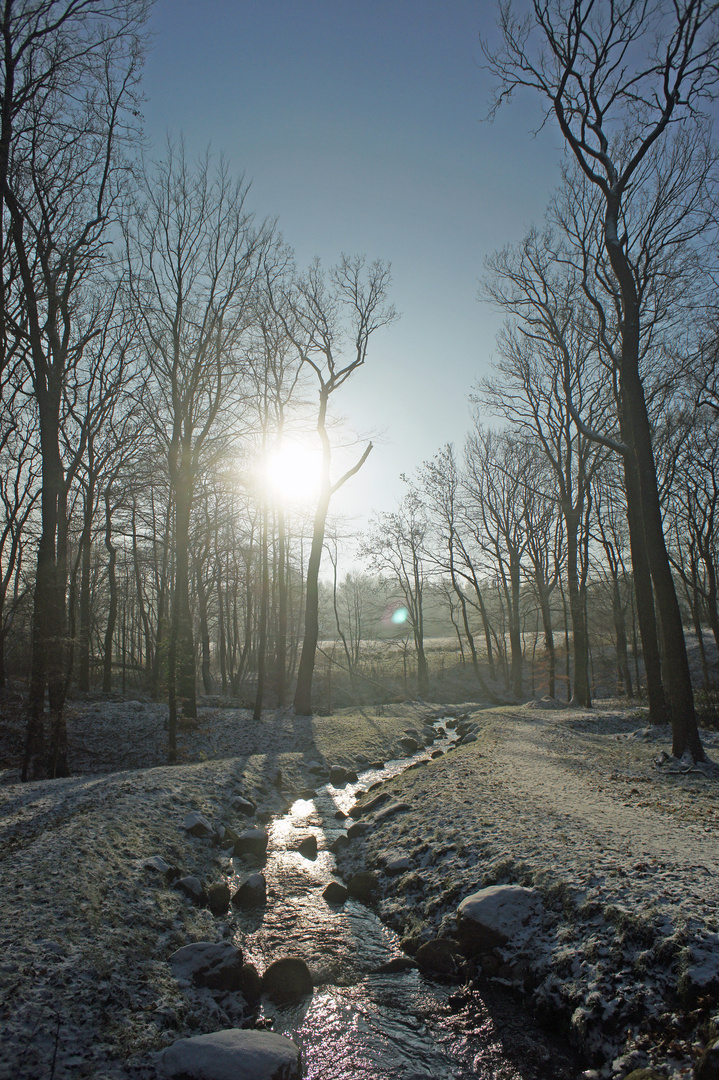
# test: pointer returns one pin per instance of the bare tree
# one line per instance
(330, 320)
(193, 257)
(617, 78)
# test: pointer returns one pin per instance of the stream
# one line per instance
(358, 1023)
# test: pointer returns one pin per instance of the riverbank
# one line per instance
(623, 852)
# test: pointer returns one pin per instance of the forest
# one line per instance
(168, 379)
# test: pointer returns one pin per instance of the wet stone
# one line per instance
(287, 980)
(251, 893)
(218, 897)
(439, 956)
(363, 885)
(335, 893)
(395, 966)
(308, 847)
(251, 842)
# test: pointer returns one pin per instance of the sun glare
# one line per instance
(292, 472)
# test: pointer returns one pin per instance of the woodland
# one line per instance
(167, 373)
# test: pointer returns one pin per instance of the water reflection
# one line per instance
(357, 1023)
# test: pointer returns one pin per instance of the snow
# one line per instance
(623, 852)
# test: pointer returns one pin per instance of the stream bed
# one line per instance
(359, 1023)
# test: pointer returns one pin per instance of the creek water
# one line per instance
(358, 1023)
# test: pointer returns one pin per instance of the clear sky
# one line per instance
(361, 126)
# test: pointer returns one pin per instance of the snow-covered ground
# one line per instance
(623, 852)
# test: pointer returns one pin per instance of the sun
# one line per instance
(292, 471)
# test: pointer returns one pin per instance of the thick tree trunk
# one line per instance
(677, 679)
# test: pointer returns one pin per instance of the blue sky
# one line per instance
(360, 124)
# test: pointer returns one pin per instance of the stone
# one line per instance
(361, 759)
(218, 897)
(214, 964)
(395, 862)
(439, 956)
(391, 810)
(251, 893)
(250, 983)
(394, 966)
(470, 737)
(360, 809)
(228, 836)
(191, 887)
(263, 816)
(156, 862)
(359, 828)
(243, 805)
(197, 825)
(335, 893)
(437, 753)
(308, 847)
(229, 1055)
(362, 885)
(643, 1074)
(287, 980)
(251, 842)
(339, 815)
(338, 776)
(708, 1065)
(339, 844)
(409, 744)
(492, 916)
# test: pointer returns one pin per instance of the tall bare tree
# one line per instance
(194, 253)
(619, 78)
(330, 319)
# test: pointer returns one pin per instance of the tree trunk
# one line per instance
(112, 610)
(677, 681)
(303, 690)
(181, 642)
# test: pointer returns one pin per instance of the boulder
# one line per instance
(251, 893)
(409, 744)
(335, 893)
(250, 983)
(214, 964)
(191, 887)
(362, 885)
(492, 916)
(287, 980)
(468, 738)
(339, 844)
(439, 956)
(230, 1054)
(156, 862)
(218, 897)
(198, 825)
(243, 805)
(308, 847)
(338, 776)
(251, 842)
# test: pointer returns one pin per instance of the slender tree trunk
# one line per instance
(582, 695)
(264, 605)
(83, 662)
(204, 629)
(182, 643)
(282, 610)
(113, 605)
(303, 690)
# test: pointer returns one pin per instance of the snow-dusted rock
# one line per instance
(156, 862)
(196, 824)
(391, 810)
(252, 892)
(395, 862)
(493, 915)
(191, 887)
(231, 1054)
(251, 842)
(214, 964)
(287, 980)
